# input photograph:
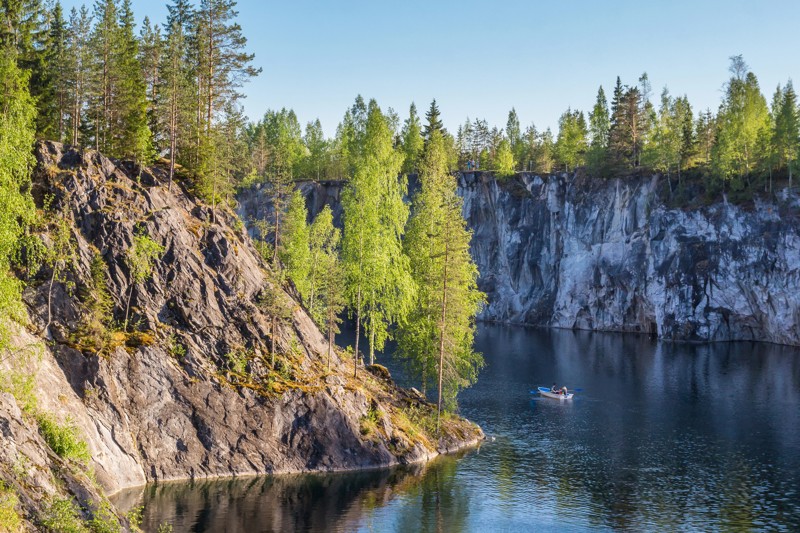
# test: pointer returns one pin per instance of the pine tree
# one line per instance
(278, 308)
(786, 133)
(25, 30)
(134, 136)
(78, 52)
(332, 301)
(705, 128)
(283, 151)
(60, 253)
(105, 44)
(545, 153)
(222, 66)
(599, 125)
(140, 259)
(438, 334)
(53, 101)
(174, 91)
(412, 141)
(150, 58)
(434, 121)
(513, 133)
(684, 120)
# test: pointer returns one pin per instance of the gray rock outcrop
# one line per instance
(609, 255)
(189, 391)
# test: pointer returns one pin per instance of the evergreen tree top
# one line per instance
(434, 121)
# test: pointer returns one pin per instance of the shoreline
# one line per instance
(464, 447)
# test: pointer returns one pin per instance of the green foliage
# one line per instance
(140, 258)
(135, 517)
(295, 255)
(317, 163)
(10, 519)
(514, 136)
(60, 253)
(94, 333)
(327, 299)
(504, 159)
(104, 520)
(599, 126)
(63, 516)
(175, 347)
(17, 114)
(324, 258)
(786, 130)
(741, 121)
(278, 308)
(412, 141)
(22, 385)
(117, 97)
(368, 424)
(571, 143)
(378, 284)
(237, 359)
(434, 122)
(63, 439)
(437, 337)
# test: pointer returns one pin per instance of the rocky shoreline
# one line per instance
(189, 390)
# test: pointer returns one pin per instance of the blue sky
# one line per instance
(480, 58)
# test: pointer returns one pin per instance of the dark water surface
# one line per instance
(662, 437)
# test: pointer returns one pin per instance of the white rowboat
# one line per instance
(544, 391)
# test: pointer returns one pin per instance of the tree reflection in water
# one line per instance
(307, 502)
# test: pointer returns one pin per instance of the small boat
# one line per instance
(544, 391)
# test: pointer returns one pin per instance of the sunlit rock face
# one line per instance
(608, 255)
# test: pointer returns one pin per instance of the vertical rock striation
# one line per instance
(609, 255)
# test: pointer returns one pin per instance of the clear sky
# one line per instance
(480, 58)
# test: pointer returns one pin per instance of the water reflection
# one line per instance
(313, 502)
(661, 437)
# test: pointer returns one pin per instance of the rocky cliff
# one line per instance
(189, 388)
(610, 255)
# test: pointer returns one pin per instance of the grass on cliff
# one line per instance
(10, 519)
(63, 438)
(62, 515)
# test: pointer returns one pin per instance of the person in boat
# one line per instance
(556, 390)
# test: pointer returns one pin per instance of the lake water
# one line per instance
(659, 437)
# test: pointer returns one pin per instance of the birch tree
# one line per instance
(438, 335)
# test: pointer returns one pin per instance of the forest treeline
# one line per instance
(173, 90)
(747, 141)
